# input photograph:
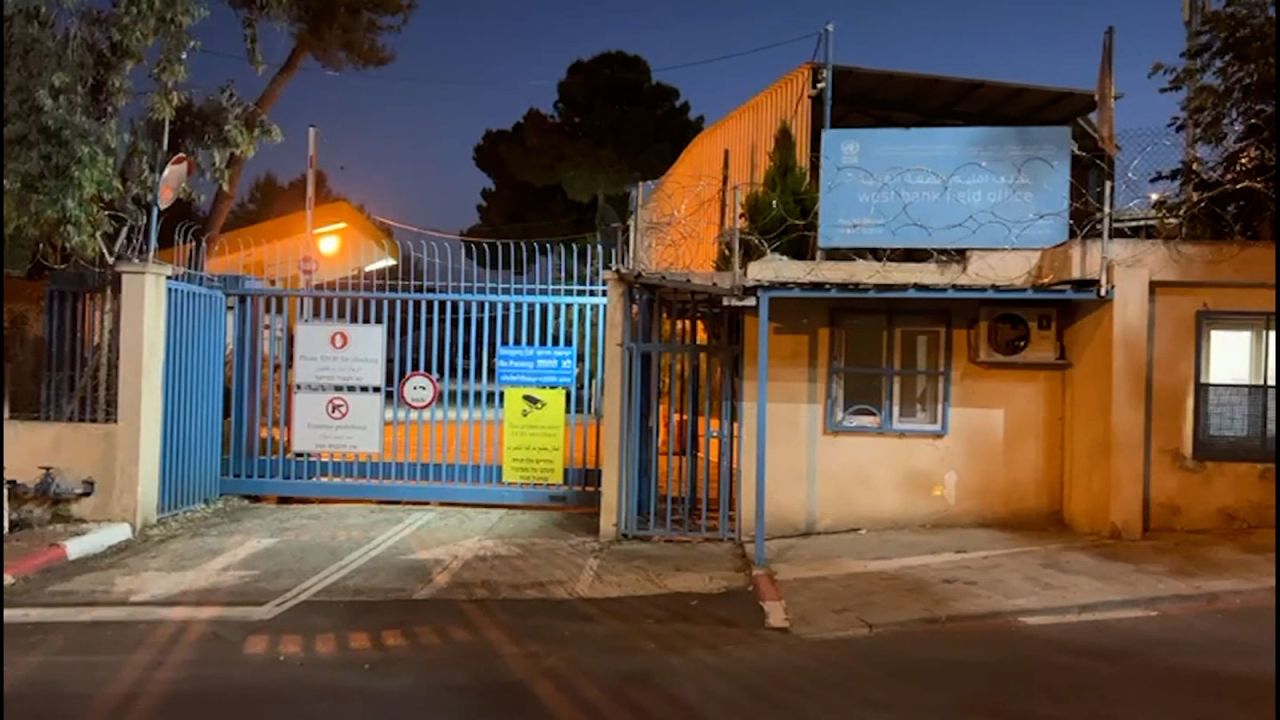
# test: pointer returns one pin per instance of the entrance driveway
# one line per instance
(262, 560)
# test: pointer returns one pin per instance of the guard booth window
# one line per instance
(1235, 400)
(889, 373)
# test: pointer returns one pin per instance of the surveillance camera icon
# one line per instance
(532, 404)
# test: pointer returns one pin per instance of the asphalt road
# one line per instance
(672, 656)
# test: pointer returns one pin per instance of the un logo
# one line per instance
(849, 150)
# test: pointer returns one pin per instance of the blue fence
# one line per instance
(440, 310)
(194, 377)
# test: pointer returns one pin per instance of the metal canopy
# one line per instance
(867, 97)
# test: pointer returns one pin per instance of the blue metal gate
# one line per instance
(681, 415)
(445, 308)
(194, 375)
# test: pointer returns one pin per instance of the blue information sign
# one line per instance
(536, 366)
(957, 187)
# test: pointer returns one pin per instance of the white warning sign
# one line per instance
(340, 354)
(337, 422)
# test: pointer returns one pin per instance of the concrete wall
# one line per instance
(999, 463)
(1087, 334)
(1127, 466)
(77, 450)
(1185, 494)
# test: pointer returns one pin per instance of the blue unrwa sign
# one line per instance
(971, 187)
(536, 365)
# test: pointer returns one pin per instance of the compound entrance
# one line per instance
(419, 413)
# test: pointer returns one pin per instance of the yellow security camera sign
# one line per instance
(533, 436)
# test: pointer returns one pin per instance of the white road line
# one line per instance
(129, 613)
(344, 567)
(186, 613)
(844, 566)
(1086, 616)
(157, 585)
(442, 578)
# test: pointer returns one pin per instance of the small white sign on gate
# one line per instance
(340, 354)
(332, 421)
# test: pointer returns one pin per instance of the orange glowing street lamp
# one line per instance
(329, 244)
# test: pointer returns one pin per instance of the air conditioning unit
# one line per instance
(1016, 336)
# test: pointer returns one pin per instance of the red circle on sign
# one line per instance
(337, 407)
(339, 340)
(308, 265)
(419, 391)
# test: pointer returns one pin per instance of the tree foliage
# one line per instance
(1226, 79)
(74, 166)
(269, 198)
(337, 34)
(781, 214)
(571, 170)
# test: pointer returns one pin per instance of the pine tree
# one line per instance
(781, 215)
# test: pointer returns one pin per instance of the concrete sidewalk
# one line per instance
(250, 560)
(854, 583)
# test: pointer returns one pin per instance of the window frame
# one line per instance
(1202, 448)
(895, 321)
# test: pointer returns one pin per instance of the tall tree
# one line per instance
(337, 34)
(74, 167)
(571, 170)
(1227, 115)
(781, 214)
(268, 198)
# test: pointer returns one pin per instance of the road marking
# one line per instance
(426, 636)
(189, 613)
(844, 566)
(1086, 616)
(393, 639)
(343, 567)
(326, 644)
(459, 554)
(150, 585)
(359, 640)
(256, 644)
(290, 645)
(131, 613)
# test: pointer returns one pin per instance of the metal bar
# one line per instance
(596, 298)
(492, 493)
(762, 422)
(936, 293)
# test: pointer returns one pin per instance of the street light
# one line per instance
(329, 244)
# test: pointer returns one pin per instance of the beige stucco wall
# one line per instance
(1185, 494)
(999, 463)
(78, 451)
(1087, 335)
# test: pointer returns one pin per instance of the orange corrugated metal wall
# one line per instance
(680, 222)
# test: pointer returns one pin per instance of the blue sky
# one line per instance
(399, 138)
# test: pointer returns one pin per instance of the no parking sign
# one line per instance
(419, 391)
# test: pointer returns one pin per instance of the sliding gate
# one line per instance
(681, 435)
(442, 313)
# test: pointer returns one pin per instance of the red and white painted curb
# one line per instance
(90, 543)
(770, 599)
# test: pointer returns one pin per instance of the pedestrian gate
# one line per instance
(681, 420)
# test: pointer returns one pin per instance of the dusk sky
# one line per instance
(399, 139)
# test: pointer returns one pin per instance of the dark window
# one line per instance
(1235, 387)
(888, 373)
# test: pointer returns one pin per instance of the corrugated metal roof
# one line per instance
(868, 97)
